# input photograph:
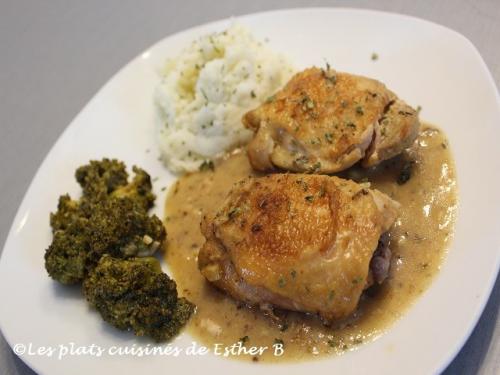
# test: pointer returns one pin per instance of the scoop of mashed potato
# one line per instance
(206, 89)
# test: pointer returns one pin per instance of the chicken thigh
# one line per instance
(299, 242)
(324, 121)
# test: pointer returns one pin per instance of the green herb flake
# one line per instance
(302, 183)
(206, 165)
(357, 280)
(301, 160)
(315, 167)
(309, 198)
(293, 273)
(244, 339)
(333, 343)
(204, 94)
(359, 110)
(234, 212)
(279, 342)
(281, 282)
(374, 56)
(331, 295)
(252, 94)
(271, 99)
(329, 137)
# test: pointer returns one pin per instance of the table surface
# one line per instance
(48, 47)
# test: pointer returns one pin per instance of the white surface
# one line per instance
(426, 64)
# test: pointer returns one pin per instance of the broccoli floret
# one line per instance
(117, 226)
(68, 213)
(65, 259)
(121, 228)
(110, 218)
(139, 189)
(101, 179)
(136, 295)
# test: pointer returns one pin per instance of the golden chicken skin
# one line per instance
(324, 121)
(301, 242)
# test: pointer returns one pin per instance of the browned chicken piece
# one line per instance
(396, 131)
(324, 121)
(299, 242)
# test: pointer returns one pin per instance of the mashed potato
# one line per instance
(205, 90)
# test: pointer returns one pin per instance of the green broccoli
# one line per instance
(101, 177)
(110, 218)
(66, 258)
(105, 178)
(134, 294)
(139, 189)
(69, 213)
(121, 228)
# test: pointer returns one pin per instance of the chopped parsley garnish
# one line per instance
(328, 75)
(244, 339)
(357, 280)
(204, 94)
(315, 167)
(302, 159)
(332, 343)
(331, 295)
(374, 56)
(307, 103)
(302, 183)
(233, 213)
(271, 99)
(279, 342)
(315, 141)
(281, 282)
(329, 137)
(207, 165)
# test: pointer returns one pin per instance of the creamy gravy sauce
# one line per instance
(419, 240)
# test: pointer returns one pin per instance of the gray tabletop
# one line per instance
(56, 55)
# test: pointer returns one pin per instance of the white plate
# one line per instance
(424, 63)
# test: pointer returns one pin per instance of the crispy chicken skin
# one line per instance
(324, 121)
(296, 241)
